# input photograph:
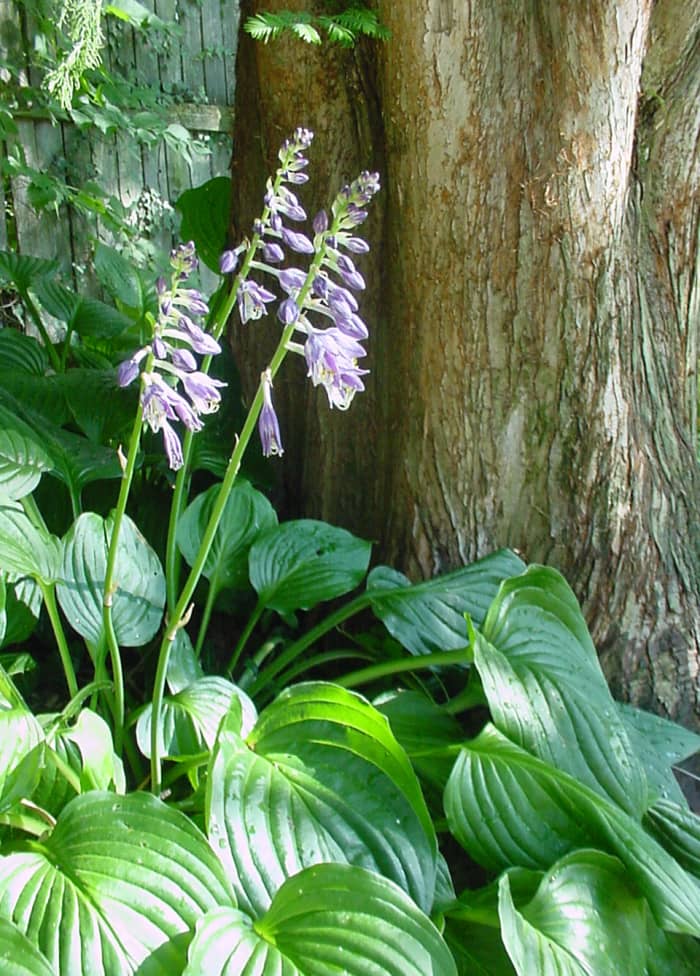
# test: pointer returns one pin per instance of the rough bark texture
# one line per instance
(534, 298)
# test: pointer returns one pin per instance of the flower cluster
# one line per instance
(170, 360)
(326, 289)
(332, 353)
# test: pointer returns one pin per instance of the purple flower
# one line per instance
(288, 311)
(293, 177)
(228, 262)
(129, 369)
(268, 425)
(173, 448)
(183, 259)
(332, 360)
(188, 331)
(355, 244)
(202, 391)
(298, 242)
(292, 279)
(272, 253)
(183, 360)
(321, 222)
(162, 402)
(191, 300)
(252, 299)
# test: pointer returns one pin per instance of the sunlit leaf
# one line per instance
(301, 563)
(546, 690)
(320, 778)
(429, 616)
(139, 597)
(331, 918)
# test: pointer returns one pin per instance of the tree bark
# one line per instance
(533, 296)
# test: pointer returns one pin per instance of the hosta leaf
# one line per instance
(425, 731)
(331, 918)
(20, 734)
(320, 778)
(659, 745)
(100, 768)
(678, 830)
(190, 719)
(204, 211)
(24, 270)
(119, 276)
(671, 954)
(585, 918)
(429, 616)
(25, 549)
(247, 513)
(85, 315)
(77, 462)
(298, 564)
(18, 956)
(99, 406)
(116, 878)
(22, 353)
(473, 928)
(22, 457)
(546, 690)
(537, 814)
(139, 597)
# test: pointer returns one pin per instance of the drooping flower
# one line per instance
(331, 357)
(252, 299)
(171, 361)
(268, 425)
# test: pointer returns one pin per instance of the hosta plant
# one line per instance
(208, 792)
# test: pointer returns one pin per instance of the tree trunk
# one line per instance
(533, 298)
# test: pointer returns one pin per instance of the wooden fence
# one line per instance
(198, 66)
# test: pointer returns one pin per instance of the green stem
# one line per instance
(292, 652)
(47, 591)
(206, 617)
(317, 660)
(110, 584)
(36, 318)
(387, 668)
(247, 631)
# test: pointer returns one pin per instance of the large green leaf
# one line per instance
(670, 954)
(85, 315)
(659, 744)
(117, 878)
(25, 549)
(99, 406)
(678, 830)
(473, 928)
(22, 457)
(332, 918)
(320, 778)
(425, 731)
(507, 807)
(205, 218)
(22, 353)
(18, 956)
(77, 462)
(586, 918)
(119, 276)
(190, 718)
(20, 733)
(246, 514)
(23, 270)
(298, 564)
(546, 690)
(429, 616)
(139, 597)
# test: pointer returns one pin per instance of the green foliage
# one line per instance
(344, 28)
(293, 826)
